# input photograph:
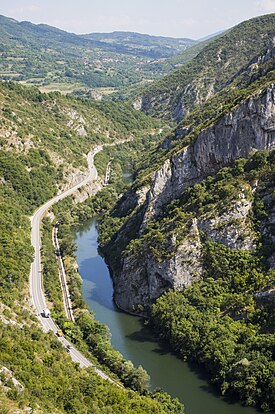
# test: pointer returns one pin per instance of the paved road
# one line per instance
(36, 289)
(62, 276)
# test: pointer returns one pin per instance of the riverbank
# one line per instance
(136, 342)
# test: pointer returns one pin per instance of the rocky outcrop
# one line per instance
(251, 127)
(232, 228)
(6, 375)
(89, 190)
(141, 277)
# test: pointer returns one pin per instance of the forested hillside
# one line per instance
(142, 44)
(44, 139)
(215, 67)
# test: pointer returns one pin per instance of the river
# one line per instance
(137, 343)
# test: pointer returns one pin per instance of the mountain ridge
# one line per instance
(175, 95)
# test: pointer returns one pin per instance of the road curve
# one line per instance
(36, 289)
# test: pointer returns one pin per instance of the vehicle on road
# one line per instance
(46, 313)
(68, 348)
(59, 333)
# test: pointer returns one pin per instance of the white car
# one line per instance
(46, 313)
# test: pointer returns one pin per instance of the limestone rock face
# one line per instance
(251, 127)
(176, 95)
(232, 228)
(141, 281)
(141, 277)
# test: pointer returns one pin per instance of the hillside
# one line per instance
(174, 96)
(182, 58)
(56, 60)
(143, 44)
(191, 245)
(129, 93)
(44, 139)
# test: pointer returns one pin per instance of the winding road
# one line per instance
(36, 289)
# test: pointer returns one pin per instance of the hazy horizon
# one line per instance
(176, 18)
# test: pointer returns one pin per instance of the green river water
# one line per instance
(139, 344)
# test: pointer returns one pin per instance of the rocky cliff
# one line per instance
(250, 128)
(164, 255)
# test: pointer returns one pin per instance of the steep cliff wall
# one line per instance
(250, 128)
(143, 275)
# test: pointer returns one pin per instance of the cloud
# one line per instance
(267, 6)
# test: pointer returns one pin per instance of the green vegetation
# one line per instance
(14, 237)
(51, 281)
(222, 321)
(56, 384)
(51, 58)
(67, 127)
(207, 115)
(210, 198)
(41, 144)
(129, 92)
(142, 44)
(126, 158)
(176, 94)
(189, 54)
(90, 336)
(219, 321)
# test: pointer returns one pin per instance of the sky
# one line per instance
(176, 18)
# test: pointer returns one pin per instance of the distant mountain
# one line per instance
(137, 43)
(51, 58)
(210, 71)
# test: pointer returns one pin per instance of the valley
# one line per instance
(158, 153)
(53, 59)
